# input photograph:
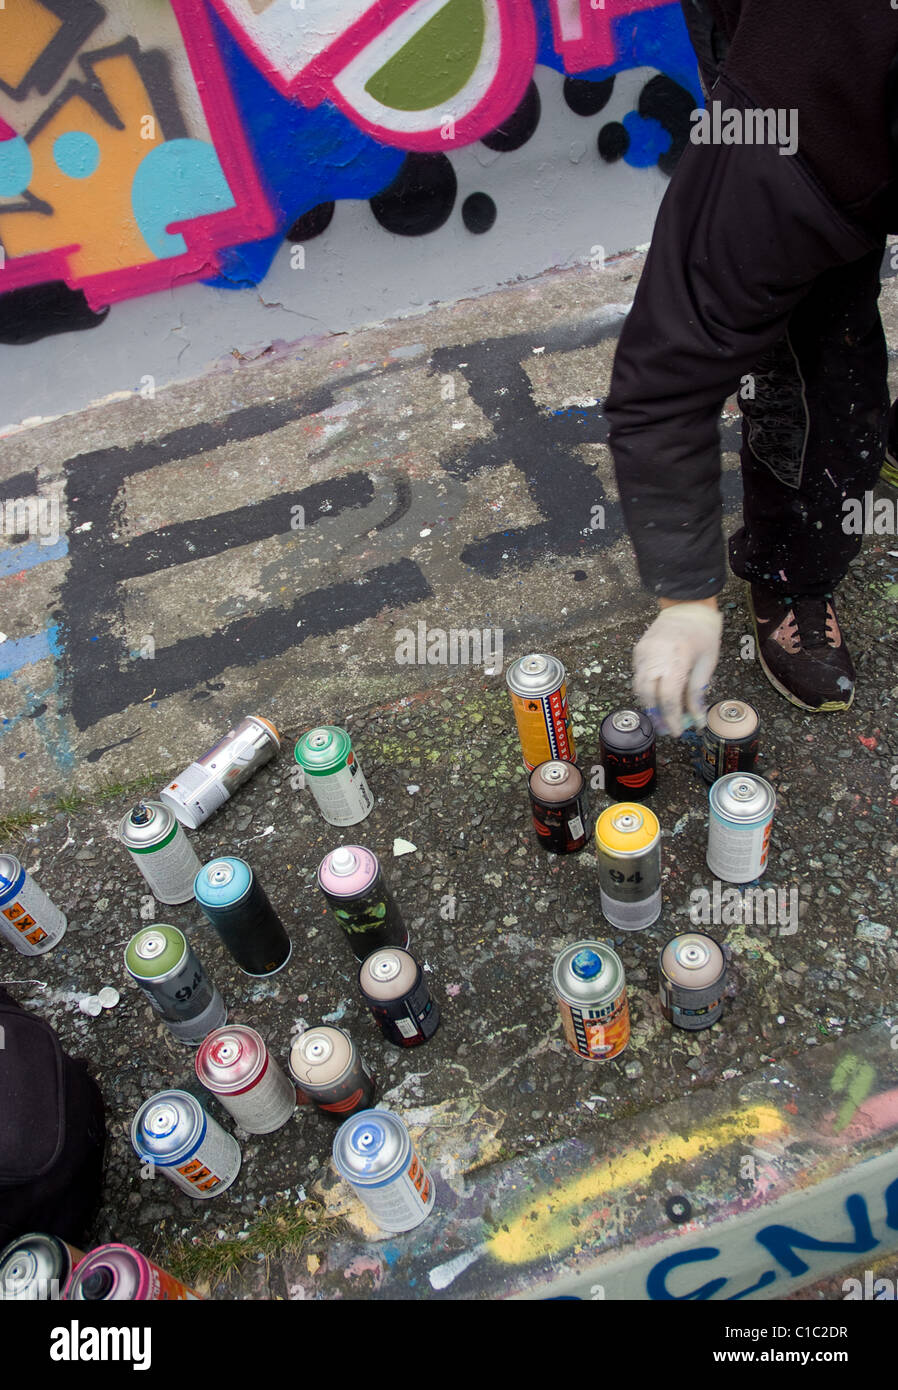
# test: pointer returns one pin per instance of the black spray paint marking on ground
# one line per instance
(543, 446)
(100, 679)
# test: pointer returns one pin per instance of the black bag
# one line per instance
(52, 1132)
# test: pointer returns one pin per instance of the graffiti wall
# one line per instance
(331, 163)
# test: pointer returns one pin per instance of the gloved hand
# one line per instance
(673, 663)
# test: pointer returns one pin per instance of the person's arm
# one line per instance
(741, 234)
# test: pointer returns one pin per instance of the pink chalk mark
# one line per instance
(364, 1264)
(877, 1114)
(583, 30)
(870, 742)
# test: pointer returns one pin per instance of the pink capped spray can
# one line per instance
(351, 880)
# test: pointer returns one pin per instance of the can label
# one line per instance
(561, 828)
(193, 1029)
(211, 1167)
(266, 1105)
(198, 793)
(203, 1176)
(402, 1202)
(721, 756)
(544, 727)
(630, 888)
(164, 1287)
(29, 921)
(343, 796)
(370, 921)
(409, 1020)
(738, 853)
(169, 868)
(690, 1009)
(597, 1032)
(343, 1098)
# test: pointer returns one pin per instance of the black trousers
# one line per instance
(815, 412)
(755, 284)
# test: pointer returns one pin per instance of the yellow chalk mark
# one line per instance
(544, 1225)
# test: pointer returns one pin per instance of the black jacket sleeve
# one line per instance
(740, 236)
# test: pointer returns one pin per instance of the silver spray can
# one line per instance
(36, 1267)
(159, 959)
(236, 1066)
(172, 1131)
(692, 977)
(162, 852)
(28, 919)
(212, 780)
(334, 774)
(741, 807)
(628, 848)
(373, 1152)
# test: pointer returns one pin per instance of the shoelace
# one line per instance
(816, 621)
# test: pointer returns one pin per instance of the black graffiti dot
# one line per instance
(587, 98)
(579, 576)
(33, 312)
(679, 1209)
(665, 101)
(312, 223)
(614, 141)
(478, 212)
(517, 129)
(420, 198)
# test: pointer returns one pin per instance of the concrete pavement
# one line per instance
(258, 542)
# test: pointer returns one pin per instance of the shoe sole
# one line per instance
(829, 707)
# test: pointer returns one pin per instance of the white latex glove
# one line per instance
(673, 663)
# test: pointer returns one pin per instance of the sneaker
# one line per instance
(801, 650)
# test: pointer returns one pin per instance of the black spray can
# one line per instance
(351, 880)
(558, 806)
(393, 987)
(330, 1072)
(237, 906)
(627, 742)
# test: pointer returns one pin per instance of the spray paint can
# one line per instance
(334, 774)
(393, 987)
(168, 973)
(237, 906)
(172, 1131)
(374, 1153)
(236, 1066)
(538, 688)
(558, 806)
(730, 739)
(589, 983)
(741, 807)
(352, 881)
(331, 1073)
(28, 919)
(213, 779)
(162, 852)
(36, 1267)
(628, 846)
(627, 742)
(116, 1272)
(692, 976)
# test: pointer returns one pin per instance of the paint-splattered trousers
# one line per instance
(755, 284)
